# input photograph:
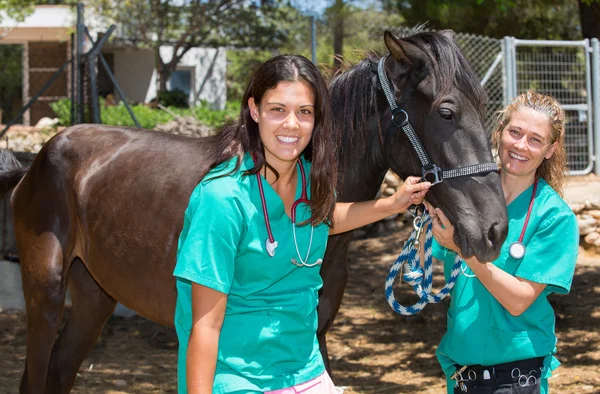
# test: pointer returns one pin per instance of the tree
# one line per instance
(17, 10)
(337, 13)
(185, 24)
(589, 15)
(528, 19)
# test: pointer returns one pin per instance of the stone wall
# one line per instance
(588, 218)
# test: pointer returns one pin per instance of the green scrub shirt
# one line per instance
(480, 330)
(268, 339)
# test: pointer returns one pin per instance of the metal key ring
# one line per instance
(533, 372)
(474, 375)
(515, 373)
(522, 379)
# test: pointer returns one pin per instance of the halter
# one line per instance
(427, 166)
(414, 275)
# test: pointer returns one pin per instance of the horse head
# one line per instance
(442, 99)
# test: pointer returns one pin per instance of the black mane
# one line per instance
(354, 91)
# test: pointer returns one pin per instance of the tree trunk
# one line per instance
(589, 15)
(338, 33)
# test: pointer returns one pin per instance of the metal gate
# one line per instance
(561, 69)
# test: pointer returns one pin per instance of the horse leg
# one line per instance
(91, 308)
(44, 287)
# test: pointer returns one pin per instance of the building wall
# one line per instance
(134, 70)
(135, 73)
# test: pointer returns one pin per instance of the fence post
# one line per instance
(596, 102)
(507, 75)
(78, 60)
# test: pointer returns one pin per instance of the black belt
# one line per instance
(522, 373)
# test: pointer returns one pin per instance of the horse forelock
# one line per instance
(449, 66)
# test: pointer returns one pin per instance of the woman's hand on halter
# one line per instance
(442, 229)
(351, 215)
(412, 191)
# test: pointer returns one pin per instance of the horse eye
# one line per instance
(445, 113)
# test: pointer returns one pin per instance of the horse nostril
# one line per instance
(493, 235)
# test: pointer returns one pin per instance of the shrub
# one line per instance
(117, 115)
(175, 98)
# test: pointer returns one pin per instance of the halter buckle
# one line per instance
(433, 170)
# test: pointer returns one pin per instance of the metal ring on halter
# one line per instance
(415, 208)
(433, 170)
(398, 113)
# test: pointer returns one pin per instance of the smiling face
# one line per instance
(525, 142)
(286, 119)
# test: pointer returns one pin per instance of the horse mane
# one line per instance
(353, 90)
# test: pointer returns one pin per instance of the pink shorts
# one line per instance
(322, 384)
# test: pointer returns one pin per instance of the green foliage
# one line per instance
(240, 66)
(16, 9)
(148, 117)
(173, 98)
(10, 80)
(526, 19)
(363, 31)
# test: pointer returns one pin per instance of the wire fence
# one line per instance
(485, 56)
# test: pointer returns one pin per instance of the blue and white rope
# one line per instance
(420, 279)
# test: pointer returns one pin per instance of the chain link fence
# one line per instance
(485, 56)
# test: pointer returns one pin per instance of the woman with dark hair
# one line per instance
(500, 336)
(254, 236)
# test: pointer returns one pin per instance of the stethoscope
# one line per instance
(270, 242)
(516, 250)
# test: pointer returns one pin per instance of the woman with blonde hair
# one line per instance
(501, 333)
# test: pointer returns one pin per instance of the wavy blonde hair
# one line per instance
(551, 170)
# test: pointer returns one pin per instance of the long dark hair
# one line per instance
(244, 136)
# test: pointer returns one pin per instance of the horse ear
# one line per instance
(404, 52)
(449, 34)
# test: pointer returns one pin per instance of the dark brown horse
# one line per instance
(103, 206)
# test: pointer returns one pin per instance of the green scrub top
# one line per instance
(479, 329)
(268, 339)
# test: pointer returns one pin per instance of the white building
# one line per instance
(45, 37)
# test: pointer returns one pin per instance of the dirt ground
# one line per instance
(373, 349)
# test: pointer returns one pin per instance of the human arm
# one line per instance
(514, 293)
(208, 312)
(351, 215)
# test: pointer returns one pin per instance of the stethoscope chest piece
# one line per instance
(516, 250)
(271, 246)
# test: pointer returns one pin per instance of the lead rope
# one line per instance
(421, 280)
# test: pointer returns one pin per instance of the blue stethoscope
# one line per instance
(516, 250)
(270, 242)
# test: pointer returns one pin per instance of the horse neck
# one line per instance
(361, 117)
(363, 166)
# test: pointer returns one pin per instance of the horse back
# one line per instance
(115, 198)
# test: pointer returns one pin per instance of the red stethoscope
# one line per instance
(270, 242)
(517, 249)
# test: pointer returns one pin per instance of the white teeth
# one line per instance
(515, 156)
(287, 140)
